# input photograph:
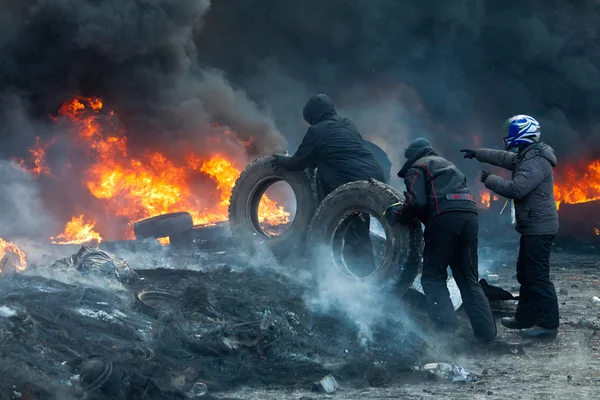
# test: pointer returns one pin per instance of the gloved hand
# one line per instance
(469, 153)
(485, 175)
(276, 162)
(389, 213)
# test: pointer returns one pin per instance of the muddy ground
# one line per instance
(568, 367)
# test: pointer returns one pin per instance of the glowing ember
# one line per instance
(77, 231)
(11, 257)
(164, 241)
(146, 185)
(597, 231)
(578, 186)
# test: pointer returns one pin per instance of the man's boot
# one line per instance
(512, 323)
(537, 332)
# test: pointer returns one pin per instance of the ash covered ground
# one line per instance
(263, 332)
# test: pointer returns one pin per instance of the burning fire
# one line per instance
(485, 198)
(77, 231)
(138, 187)
(597, 231)
(11, 254)
(577, 187)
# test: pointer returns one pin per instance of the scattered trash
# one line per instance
(90, 260)
(326, 385)
(449, 372)
(199, 389)
(93, 372)
(586, 323)
(160, 300)
(492, 278)
(495, 293)
(596, 300)
(186, 380)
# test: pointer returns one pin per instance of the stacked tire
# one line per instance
(314, 227)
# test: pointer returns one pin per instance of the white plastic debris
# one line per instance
(455, 296)
(326, 385)
(596, 300)
(449, 372)
(492, 278)
(199, 389)
(6, 312)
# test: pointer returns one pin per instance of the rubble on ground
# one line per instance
(226, 328)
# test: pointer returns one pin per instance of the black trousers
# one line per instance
(358, 249)
(451, 240)
(537, 299)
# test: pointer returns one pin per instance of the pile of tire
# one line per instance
(323, 227)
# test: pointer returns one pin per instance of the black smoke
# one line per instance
(449, 70)
(138, 56)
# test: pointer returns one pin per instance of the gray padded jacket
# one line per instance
(531, 186)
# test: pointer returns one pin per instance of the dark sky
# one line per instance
(448, 70)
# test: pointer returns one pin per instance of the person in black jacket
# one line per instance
(335, 147)
(438, 196)
(382, 159)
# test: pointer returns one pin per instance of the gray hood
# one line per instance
(318, 108)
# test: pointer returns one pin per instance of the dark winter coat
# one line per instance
(433, 185)
(531, 186)
(382, 159)
(334, 146)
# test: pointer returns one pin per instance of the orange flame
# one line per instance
(151, 184)
(11, 257)
(578, 187)
(597, 231)
(77, 231)
(484, 198)
(222, 172)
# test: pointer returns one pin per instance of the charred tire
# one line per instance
(218, 233)
(163, 225)
(243, 208)
(401, 262)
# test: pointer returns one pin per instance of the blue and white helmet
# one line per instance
(522, 130)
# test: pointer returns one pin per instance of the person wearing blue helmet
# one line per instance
(532, 190)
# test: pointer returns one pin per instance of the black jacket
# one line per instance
(382, 159)
(434, 185)
(334, 146)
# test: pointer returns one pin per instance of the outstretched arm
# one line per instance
(529, 177)
(305, 156)
(499, 158)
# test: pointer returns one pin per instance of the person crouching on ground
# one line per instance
(532, 189)
(438, 196)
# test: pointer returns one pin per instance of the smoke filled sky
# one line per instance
(449, 69)
(452, 71)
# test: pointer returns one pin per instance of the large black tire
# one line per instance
(243, 209)
(401, 262)
(203, 236)
(163, 225)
